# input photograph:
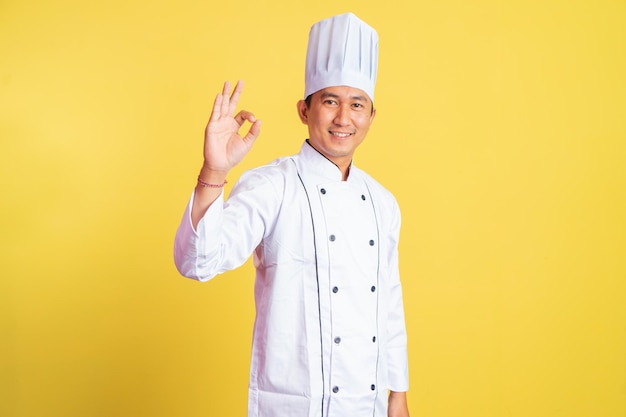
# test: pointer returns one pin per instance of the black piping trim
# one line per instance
(317, 277)
(369, 192)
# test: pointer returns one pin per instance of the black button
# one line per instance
(332, 238)
(335, 289)
(335, 390)
(373, 387)
(373, 288)
(374, 339)
(362, 197)
(323, 191)
(371, 243)
(337, 340)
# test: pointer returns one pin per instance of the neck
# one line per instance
(345, 172)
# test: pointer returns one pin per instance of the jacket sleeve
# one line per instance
(397, 355)
(229, 231)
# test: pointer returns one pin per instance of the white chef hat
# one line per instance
(342, 50)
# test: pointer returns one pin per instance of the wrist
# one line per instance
(205, 184)
(211, 176)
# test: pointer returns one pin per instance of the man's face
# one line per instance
(338, 119)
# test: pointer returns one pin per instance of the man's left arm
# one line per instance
(397, 354)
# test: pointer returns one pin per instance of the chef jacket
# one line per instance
(329, 336)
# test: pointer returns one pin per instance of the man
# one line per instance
(329, 336)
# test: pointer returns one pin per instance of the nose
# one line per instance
(342, 116)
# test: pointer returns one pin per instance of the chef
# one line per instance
(329, 336)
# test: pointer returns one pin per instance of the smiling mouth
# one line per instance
(340, 134)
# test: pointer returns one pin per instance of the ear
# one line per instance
(303, 112)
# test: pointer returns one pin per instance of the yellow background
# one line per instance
(500, 128)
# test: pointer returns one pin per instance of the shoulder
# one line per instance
(272, 176)
(272, 171)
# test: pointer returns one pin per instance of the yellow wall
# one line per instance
(501, 129)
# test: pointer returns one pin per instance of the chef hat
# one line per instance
(342, 50)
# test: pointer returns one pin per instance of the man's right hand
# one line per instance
(223, 147)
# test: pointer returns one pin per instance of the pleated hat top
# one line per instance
(342, 51)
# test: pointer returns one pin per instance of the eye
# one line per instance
(330, 101)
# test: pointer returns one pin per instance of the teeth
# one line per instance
(341, 135)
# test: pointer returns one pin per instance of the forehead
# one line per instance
(343, 92)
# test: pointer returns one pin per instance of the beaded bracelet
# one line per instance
(207, 185)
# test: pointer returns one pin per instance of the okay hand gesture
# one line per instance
(223, 146)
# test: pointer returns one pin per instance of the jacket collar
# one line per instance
(319, 167)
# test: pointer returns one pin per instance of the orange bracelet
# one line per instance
(207, 185)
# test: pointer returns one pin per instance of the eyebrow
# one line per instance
(332, 95)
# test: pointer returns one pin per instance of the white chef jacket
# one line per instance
(329, 336)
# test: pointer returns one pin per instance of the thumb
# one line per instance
(253, 133)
